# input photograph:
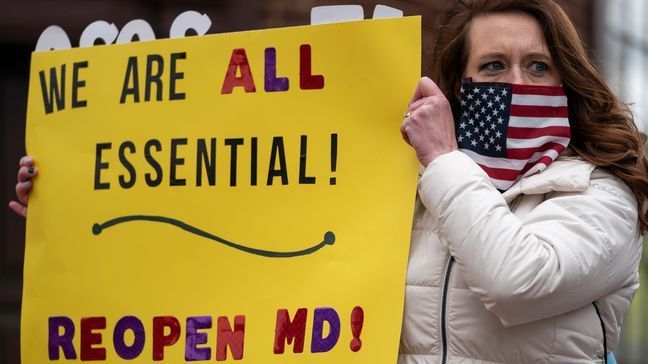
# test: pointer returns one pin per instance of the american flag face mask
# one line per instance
(512, 131)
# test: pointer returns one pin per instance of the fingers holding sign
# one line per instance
(26, 172)
(429, 127)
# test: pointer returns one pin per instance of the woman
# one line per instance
(543, 269)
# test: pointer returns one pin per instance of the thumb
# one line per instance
(425, 88)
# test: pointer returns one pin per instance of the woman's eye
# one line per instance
(493, 66)
(539, 67)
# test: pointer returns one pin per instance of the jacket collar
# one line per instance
(568, 173)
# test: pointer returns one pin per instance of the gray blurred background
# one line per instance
(615, 31)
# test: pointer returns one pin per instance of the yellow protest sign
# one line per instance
(240, 196)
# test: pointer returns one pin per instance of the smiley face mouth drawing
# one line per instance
(329, 236)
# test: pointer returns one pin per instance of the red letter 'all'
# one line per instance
(238, 60)
(308, 81)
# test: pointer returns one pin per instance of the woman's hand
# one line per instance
(26, 173)
(429, 128)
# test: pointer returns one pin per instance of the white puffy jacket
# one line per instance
(513, 277)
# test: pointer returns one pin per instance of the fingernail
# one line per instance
(30, 170)
(28, 159)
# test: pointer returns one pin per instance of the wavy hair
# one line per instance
(602, 127)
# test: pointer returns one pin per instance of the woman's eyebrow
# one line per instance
(491, 55)
(537, 55)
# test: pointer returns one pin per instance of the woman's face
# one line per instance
(509, 47)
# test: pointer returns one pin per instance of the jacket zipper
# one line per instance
(444, 298)
(598, 313)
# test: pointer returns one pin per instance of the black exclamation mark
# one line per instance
(334, 150)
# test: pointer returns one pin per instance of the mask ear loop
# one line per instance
(464, 81)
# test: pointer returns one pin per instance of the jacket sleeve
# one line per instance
(568, 251)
